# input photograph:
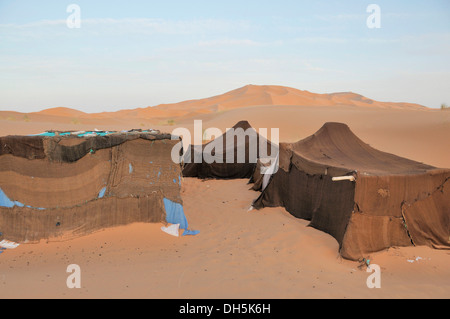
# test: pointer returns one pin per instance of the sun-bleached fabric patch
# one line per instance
(8, 244)
(172, 230)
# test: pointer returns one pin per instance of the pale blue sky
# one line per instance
(130, 54)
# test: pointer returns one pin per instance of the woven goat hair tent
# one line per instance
(237, 151)
(366, 199)
(69, 186)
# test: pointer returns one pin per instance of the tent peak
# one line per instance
(242, 124)
(335, 129)
(336, 125)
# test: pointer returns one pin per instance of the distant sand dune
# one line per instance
(250, 95)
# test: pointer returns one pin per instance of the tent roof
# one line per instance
(225, 147)
(336, 147)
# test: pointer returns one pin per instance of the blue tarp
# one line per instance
(191, 232)
(102, 192)
(52, 134)
(91, 133)
(175, 214)
(45, 134)
(6, 202)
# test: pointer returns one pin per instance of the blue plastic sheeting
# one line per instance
(177, 182)
(49, 134)
(131, 168)
(175, 214)
(52, 134)
(191, 232)
(93, 133)
(6, 202)
(102, 192)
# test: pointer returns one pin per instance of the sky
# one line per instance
(130, 54)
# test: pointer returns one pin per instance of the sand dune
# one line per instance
(62, 112)
(250, 95)
(253, 95)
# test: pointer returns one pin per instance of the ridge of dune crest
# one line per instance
(246, 96)
(62, 111)
(265, 95)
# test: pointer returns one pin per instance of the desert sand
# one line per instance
(238, 254)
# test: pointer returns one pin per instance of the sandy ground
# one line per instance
(238, 254)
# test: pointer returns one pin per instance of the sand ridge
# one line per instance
(250, 95)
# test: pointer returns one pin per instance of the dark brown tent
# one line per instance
(72, 186)
(224, 148)
(367, 199)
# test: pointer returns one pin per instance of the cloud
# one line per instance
(37, 24)
(341, 17)
(236, 42)
(332, 40)
(426, 44)
(106, 26)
